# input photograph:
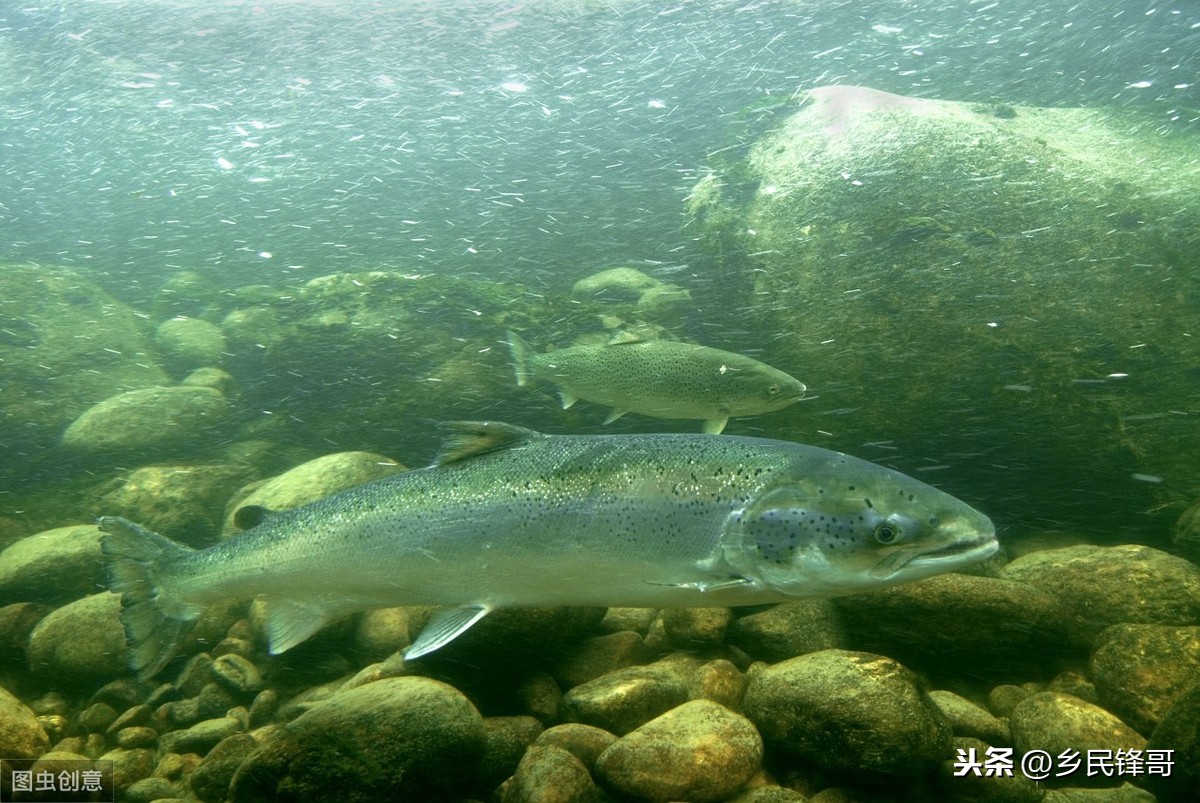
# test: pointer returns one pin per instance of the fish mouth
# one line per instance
(960, 552)
(915, 563)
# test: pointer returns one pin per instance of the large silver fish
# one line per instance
(659, 378)
(510, 517)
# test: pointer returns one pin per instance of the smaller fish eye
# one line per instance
(772, 390)
(887, 533)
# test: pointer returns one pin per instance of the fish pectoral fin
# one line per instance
(614, 415)
(444, 627)
(714, 426)
(290, 622)
(704, 586)
(567, 398)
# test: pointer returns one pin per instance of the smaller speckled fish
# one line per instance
(508, 517)
(659, 378)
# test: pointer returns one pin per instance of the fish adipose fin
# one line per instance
(445, 626)
(134, 557)
(520, 355)
(715, 426)
(466, 439)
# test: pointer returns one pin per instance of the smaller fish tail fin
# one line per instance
(134, 559)
(520, 355)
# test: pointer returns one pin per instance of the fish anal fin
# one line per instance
(471, 438)
(715, 426)
(568, 398)
(445, 626)
(290, 622)
(614, 414)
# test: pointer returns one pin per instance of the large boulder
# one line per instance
(159, 421)
(65, 345)
(405, 738)
(1028, 274)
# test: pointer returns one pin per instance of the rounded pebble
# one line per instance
(849, 711)
(699, 751)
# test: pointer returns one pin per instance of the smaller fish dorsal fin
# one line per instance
(625, 338)
(465, 439)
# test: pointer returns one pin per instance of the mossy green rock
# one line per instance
(163, 421)
(410, 737)
(313, 480)
(699, 751)
(957, 622)
(549, 774)
(189, 343)
(81, 642)
(848, 711)
(20, 734)
(789, 629)
(65, 345)
(1058, 723)
(930, 261)
(1101, 586)
(1179, 732)
(625, 699)
(180, 500)
(1141, 670)
(54, 566)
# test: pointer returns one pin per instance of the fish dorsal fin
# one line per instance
(445, 626)
(290, 622)
(625, 338)
(466, 439)
(250, 516)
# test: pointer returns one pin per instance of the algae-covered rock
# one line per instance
(409, 737)
(957, 622)
(970, 720)
(549, 774)
(1140, 670)
(930, 261)
(313, 480)
(82, 641)
(1101, 586)
(1179, 732)
(20, 734)
(699, 751)
(182, 501)
(625, 699)
(622, 284)
(1058, 723)
(789, 629)
(848, 711)
(161, 421)
(65, 345)
(54, 566)
(585, 742)
(1185, 535)
(189, 343)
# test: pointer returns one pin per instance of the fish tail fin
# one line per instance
(134, 559)
(520, 355)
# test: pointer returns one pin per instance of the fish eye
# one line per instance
(887, 533)
(772, 390)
